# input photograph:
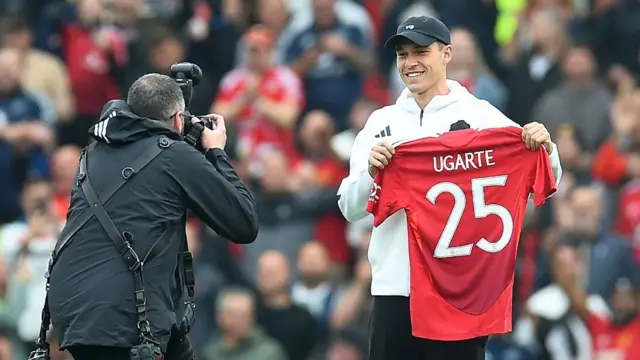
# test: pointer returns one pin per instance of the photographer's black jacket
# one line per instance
(91, 293)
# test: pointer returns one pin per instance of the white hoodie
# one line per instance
(404, 121)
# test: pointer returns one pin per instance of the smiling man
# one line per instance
(430, 106)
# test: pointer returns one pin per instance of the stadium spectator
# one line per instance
(89, 55)
(316, 131)
(579, 100)
(613, 21)
(288, 207)
(240, 338)
(291, 325)
(43, 73)
(332, 55)
(355, 303)
(275, 16)
(11, 306)
(614, 334)
(572, 154)
(617, 158)
(26, 246)
(315, 289)
(537, 69)
(64, 163)
(262, 99)
(469, 69)
(605, 256)
(166, 48)
(24, 137)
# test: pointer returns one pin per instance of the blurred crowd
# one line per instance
(296, 80)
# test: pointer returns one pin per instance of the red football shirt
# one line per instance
(465, 194)
(610, 342)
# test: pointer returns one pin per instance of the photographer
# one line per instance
(140, 229)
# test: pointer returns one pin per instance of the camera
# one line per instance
(188, 76)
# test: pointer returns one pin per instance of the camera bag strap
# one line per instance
(127, 173)
(122, 242)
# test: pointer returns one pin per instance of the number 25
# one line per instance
(480, 210)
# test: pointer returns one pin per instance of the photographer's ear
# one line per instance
(178, 121)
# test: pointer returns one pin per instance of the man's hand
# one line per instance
(380, 156)
(335, 43)
(252, 86)
(38, 224)
(216, 138)
(535, 134)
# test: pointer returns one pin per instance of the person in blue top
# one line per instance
(332, 54)
(24, 138)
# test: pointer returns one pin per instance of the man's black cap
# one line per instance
(422, 30)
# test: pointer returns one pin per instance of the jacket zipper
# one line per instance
(421, 113)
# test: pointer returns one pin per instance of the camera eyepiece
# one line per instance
(187, 71)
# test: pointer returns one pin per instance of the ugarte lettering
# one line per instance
(463, 161)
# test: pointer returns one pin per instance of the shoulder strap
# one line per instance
(122, 242)
(127, 173)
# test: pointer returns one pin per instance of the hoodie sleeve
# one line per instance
(502, 121)
(353, 193)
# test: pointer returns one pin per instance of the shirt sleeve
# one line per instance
(294, 89)
(543, 183)
(596, 324)
(293, 49)
(228, 87)
(358, 38)
(354, 189)
(385, 196)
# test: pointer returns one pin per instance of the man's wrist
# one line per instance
(549, 147)
(215, 151)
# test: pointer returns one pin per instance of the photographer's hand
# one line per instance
(216, 138)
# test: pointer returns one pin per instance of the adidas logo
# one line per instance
(385, 132)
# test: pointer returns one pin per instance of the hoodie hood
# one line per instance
(119, 125)
(456, 93)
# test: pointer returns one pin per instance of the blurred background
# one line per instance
(296, 80)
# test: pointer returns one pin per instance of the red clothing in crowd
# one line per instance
(628, 221)
(610, 342)
(257, 132)
(61, 206)
(89, 69)
(609, 165)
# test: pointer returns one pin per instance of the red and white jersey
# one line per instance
(257, 133)
(465, 194)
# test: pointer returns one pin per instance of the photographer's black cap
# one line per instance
(422, 30)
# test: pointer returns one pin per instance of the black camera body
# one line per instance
(188, 75)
